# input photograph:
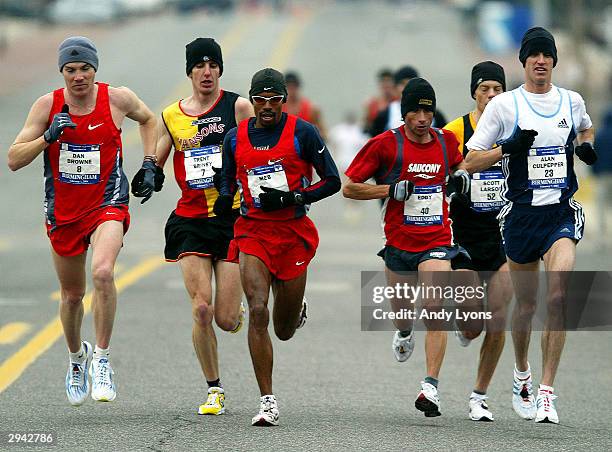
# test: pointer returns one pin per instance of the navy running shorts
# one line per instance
(529, 231)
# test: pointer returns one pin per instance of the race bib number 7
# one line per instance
(199, 164)
(271, 176)
(547, 167)
(424, 207)
(79, 163)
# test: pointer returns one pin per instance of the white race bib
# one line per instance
(424, 207)
(547, 167)
(199, 164)
(272, 176)
(486, 189)
(79, 163)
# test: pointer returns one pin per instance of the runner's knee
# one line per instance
(102, 275)
(203, 314)
(72, 297)
(283, 332)
(259, 315)
(226, 322)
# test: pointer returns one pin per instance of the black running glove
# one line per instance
(223, 205)
(143, 183)
(520, 142)
(59, 122)
(273, 199)
(458, 183)
(160, 177)
(586, 153)
(401, 191)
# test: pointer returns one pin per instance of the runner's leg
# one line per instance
(197, 272)
(71, 275)
(256, 280)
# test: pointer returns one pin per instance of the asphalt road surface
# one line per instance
(338, 388)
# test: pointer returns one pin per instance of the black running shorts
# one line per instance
(206, 237)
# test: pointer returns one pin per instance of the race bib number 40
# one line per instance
(424, 207)
(79, 163)
(547, 167)
(199, 164)
(486, 189)
(272, 176)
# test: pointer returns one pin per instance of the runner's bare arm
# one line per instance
(164, 143)
(476, 161)
(243, 109)
(135, 109)
(586, 136)
(363, 190)
(29, 143)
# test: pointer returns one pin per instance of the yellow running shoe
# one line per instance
(240, 319)
(215, 403)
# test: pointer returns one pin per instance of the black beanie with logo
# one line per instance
(536, 40)
(487, 70)
(203, 49)
(268, 80)
(418, 94)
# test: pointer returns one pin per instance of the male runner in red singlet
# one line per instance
(78, 130)
(270, 158)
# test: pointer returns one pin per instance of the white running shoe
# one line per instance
(523, 400)
(268, 412)
(102, 385)
(463, 341)
(77, 383)
(303, 314)
(428, 400)
(402, 346)
(546, 411)
(479, 410)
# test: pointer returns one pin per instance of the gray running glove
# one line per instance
(401, 191)
(59, 122)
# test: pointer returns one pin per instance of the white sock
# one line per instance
(523, 374)
(546, 388)
(79, 356)
(101, 352)
(475, 395)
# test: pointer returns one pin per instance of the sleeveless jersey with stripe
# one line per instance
(552, 153)
(83, 168)
(462, 213)
(198, 143)
(279, 167)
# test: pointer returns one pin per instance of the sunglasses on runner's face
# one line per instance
(274, 100)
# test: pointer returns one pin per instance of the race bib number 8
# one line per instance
(485, 190)
(272, 176)
(79, 163)
(547, 167)
(199, 166)
(424, 207)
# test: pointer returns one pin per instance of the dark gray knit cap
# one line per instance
(78, 49)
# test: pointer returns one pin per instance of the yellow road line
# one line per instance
(289, 40)
(5, 245)
(12, 332)
(229, 42)
(13, 367)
